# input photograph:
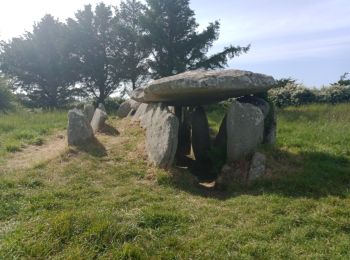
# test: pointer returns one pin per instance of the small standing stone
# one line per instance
(128, 107)
(79, 129)
(257, 166)
(98, 120)
(89, 111)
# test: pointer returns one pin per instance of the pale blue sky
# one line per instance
(308, 40)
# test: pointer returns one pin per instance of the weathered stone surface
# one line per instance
(146, 119)
(127, 108)
(102, 107)
(140, 112)
(201, 87)
(200, 134)
(162, 137)
(245, 127)
(79, 129)
(257, 166)
(235, 173)
(98, 120)
(258, 102)
(89, 111)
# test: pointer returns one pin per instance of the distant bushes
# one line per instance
(293, 94)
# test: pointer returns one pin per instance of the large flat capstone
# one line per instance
(202, 87)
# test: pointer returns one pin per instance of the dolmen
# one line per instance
(171, 110)
(82, 124)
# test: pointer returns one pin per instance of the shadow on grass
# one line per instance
(93, 147)
(109, 130)
(309, 174)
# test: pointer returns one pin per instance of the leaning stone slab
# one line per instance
(89, 111)
(162, 137)
(202, 87)
(79, 129)
(99, 119)
(245, 127)
(258, 102)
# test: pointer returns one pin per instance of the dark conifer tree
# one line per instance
(171, 30)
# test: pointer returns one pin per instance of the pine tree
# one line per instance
(176, 45)
(40, 64)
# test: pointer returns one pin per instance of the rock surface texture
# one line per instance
(89, 111)
(79, 129)
(98, 120)
(128, 107)
(257, 166)
(245, 128)
(201, 87)
(162, 136)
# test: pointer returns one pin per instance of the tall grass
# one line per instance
(23, 127)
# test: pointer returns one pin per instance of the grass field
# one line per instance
(24, 128)
(91, 205)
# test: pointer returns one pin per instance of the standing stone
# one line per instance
(79, 129)
(102, 107)
(128, 107)
(245, 128)
(89, 111)
(146, 119)
(98, 120)
(140, 112)
(200, 134)
(258, 102)
(162, 137)
(257, 166)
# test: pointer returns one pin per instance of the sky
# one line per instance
(307, 40)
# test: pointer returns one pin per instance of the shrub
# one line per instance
(334, 94)
(292, 94)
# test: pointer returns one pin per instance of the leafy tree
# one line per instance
(92, 35)
(6, 96)
(132, 46)
(40, 64)
(171, 30)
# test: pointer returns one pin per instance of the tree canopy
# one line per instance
(40, 63)
(101, 48)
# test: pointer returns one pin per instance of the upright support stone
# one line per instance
(162, 137)
(89, 111)
(271, 128)
(99, 119)
(200, 134)
(245, 127)
(221, 137)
